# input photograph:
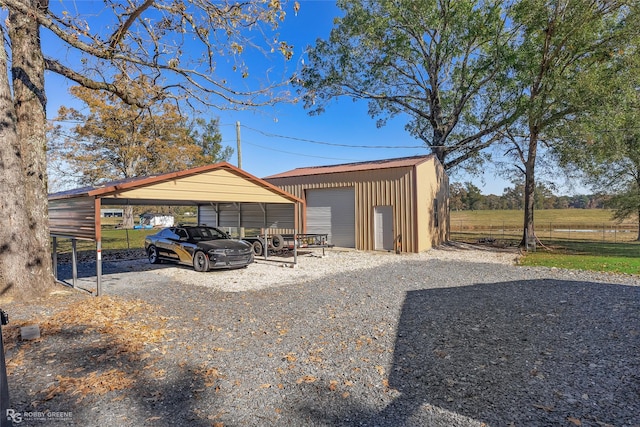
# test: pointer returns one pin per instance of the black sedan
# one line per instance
(202, 247)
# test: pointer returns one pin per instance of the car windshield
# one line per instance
(206, 233)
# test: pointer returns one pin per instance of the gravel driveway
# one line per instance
(452, 337)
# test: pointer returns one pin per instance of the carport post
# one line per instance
(266, 244)
(74, 262)
(54, 257)
(295, 248)
(99, 267)
(98, 237)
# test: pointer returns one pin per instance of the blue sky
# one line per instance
(276, 139)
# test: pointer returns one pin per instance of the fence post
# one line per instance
(5, 421)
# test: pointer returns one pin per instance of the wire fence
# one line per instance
(587, 237)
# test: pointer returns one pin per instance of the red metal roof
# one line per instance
(351, 167)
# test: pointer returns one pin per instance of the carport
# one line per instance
(225, 195)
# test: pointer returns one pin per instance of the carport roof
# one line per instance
(220, 182)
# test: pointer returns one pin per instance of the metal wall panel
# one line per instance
(229, 214)
(74, 217)
(251, 215)
(207, 215)
(281, 216)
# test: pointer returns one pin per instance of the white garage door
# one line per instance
(332, 211)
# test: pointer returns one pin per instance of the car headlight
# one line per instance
(218, 252)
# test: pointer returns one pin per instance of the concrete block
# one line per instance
(30, 332)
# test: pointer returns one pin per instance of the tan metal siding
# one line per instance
(218, 185)
(392, 187)
(432, 183)
(73, 217)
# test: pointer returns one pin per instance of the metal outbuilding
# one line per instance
(225, 195)
(395, 204)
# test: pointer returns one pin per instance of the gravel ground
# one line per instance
(452, 337)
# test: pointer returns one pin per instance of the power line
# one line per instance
(273, 135)
(297, 154)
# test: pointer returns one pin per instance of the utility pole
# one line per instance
(239, 146)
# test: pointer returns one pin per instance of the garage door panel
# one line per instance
(332, 211)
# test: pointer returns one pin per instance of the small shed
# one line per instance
(225, 195)
(152, 220)
(397, 204)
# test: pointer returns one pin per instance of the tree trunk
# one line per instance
(529, 191)
(127, 217)
(13, 221)
(437, 146)
(29, 101)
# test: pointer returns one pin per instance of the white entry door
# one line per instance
(383, 226)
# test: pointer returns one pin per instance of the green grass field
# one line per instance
(111, 239)
(556, 217)
(586, 239)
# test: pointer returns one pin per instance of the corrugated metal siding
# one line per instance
(73, 217)
(433, 184)
(229, 215)
(394, 187)
(281, 216)
(250, 215)
(207, 215)
(253, 215)
(218, 185)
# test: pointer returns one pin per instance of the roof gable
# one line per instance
(220, 182)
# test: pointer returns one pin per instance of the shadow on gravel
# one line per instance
(538, 352)
(88, 269)
(146, 394)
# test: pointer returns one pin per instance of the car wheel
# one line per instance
(200, 261)
(152, 252)
(277, 242)
(257, 248)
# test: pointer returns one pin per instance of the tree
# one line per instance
(457, 194)
(473, 199)
(181, 47)
(208, 137)
(606, 145)
(440, 63)
(563, 49)
(116, 140)
(514, 197)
